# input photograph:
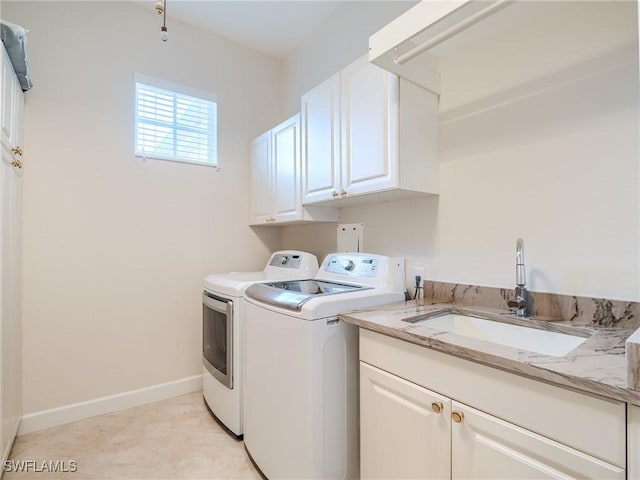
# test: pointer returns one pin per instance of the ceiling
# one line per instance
(272, 27)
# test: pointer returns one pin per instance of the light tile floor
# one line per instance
(172, 439)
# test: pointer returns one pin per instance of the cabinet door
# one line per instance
(633, 439)
(12, 109)
(369, 128)
(320, 112)
(485, 447)
(9, 81)
(401, 436)
(10, 301)
(287, 205)
(261, 183)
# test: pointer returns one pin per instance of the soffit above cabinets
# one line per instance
(404, 46)
(544, 33)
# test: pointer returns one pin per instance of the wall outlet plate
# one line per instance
(418, 271)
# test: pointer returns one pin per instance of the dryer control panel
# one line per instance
(284, 260)
(352, 265)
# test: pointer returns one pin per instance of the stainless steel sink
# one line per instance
(536, 340)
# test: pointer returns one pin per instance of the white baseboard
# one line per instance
(33, 422)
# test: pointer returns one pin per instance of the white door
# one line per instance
(10, 301)
(484, 447)
(261, 184)
(320, 119)
(287, 205)
(405, 430)
(369, 128)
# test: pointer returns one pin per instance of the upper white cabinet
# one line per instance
(368, 136)
(12, 109)
(260, 188)
(321, 141)
(275, 179)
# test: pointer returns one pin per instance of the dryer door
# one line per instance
(217, 337)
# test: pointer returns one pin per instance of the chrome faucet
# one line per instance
(518, 304)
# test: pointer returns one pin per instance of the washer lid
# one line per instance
(233, 283)
(293, 294)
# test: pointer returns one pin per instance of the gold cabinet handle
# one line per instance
(334, 194)
(343, 192)
(17, 151)
(16, 164)
(458, 417)
(437, 407)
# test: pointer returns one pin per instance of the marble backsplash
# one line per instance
(579, 311)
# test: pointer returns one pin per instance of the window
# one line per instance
(175, 123)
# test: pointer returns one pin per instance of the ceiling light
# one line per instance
(161, 9)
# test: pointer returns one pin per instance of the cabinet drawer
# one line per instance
(588, 423)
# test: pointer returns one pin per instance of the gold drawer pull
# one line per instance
(457, 417)
(17, 151)
(437, 407)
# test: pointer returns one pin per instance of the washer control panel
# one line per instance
(285, 261)
(354, 266)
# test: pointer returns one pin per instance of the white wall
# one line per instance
(115, 248)
(539, 140)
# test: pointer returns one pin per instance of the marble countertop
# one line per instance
(596, 366)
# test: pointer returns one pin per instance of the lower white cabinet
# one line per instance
(633, 440)
(275, 189)
(408, 430)
(405, 429)
(483, 446)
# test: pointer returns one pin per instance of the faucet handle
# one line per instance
(517, 303)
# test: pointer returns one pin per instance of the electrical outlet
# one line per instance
(417, 287)
(418, 272)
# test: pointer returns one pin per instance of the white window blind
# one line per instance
(171, 125)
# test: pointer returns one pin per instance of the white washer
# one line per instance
(222, 330)
(301, 364)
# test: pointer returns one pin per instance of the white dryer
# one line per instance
(301, 364)
(223, 326)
